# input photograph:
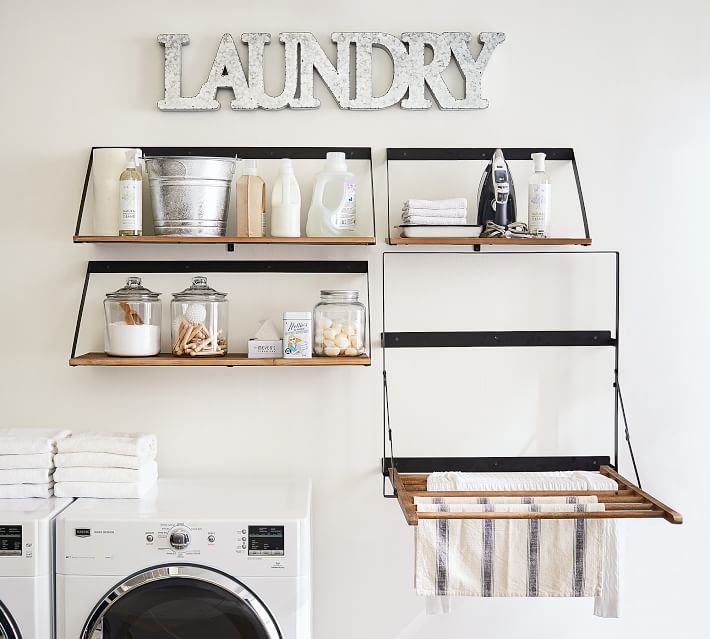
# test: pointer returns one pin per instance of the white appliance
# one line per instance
(193, 559)
(27, 567)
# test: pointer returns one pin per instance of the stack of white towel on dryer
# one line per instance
(27, 461)
(106, 465)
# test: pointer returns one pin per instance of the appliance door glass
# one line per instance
(188, 602)
(8, 627)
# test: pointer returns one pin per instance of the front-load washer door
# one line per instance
(181, 602)
(8, 627)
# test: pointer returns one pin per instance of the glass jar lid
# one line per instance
(339, 295)
(133, 290)
(199, 290)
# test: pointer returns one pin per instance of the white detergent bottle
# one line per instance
(332, 209)
(286, 203)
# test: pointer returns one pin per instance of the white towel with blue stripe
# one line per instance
(517, 557)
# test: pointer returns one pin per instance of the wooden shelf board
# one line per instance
(231, 359)
(177, 239)
(505, 241)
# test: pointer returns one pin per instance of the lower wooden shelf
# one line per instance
(499, 241)
(230, 359)
(185, 239)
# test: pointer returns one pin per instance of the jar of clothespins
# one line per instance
(133, 316)
(199, 320)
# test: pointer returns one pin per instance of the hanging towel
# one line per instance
(148, 472)
(23, 491)
(99, 460)
(36, 460)
(102, 490)
(29, 441)
(435, 205)
(561, 480)
(26, 475)
(517, 558)
(138, 444)
(428, 220)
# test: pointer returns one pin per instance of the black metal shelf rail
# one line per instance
(243, 153)
(477, 154)
(222, 266)
(493, 339)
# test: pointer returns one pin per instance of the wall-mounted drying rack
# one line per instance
(478, 154)
(218, 266)
(244, 153)
(408, 475)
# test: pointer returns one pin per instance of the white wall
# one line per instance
(626, 83)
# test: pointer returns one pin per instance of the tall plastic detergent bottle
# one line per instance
(332, 211)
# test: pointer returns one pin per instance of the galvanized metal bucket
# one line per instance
(190, 195)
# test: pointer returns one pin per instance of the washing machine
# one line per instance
(27, 567)
(193, 559)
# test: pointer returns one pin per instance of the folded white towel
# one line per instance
(562, 480)
(26, 475)
(138, 444)
(102, 490)
(36, 460)
(99, 460)
(22, 491)
(28, 441)
(433, 221)
(452, 203)
(148, 472)
(518, 558)
(458, 213)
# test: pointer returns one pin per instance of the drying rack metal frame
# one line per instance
(408, 475)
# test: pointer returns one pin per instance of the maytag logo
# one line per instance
(82, 532)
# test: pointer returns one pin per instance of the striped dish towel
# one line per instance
(518, 558)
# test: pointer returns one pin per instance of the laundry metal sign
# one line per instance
(413, 71)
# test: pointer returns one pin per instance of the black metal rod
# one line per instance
(81, 310)
(474, 339)
(495, 464)
(582, 207)
(230, 266)
(617, 315)
(563, 154)
(257, 152)
(84, 191)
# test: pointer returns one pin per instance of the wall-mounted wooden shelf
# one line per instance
(177, 239)
(230, 359)
(498, 241)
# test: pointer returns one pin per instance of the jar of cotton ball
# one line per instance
(133, 315)
(340, 323)
(199, 320)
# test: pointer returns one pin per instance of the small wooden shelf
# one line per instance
(504, 241)
(231, 359)
(177, 239)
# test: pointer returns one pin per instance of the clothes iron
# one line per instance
(496, 193)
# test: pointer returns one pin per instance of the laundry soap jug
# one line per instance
(332, 209)
(251, 202)
(286, 203)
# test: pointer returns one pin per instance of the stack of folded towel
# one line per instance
(517, 557)
(106, 465)
(27, 461)
(435, 212)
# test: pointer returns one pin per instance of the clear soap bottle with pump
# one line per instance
(130, 193)
(539, 198)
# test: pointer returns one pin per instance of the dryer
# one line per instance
(192, 559)
(27, 567)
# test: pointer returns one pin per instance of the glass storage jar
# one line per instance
(199, 320)
(340, 323)
(133, 316)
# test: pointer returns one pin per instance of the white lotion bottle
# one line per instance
(332, 211)
(539, 198)
(286, 203)
(130, 195)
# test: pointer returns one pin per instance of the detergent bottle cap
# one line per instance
(250, 167)
(286, 166)
(538, 162)
(336, 161)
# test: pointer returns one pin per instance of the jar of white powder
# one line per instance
(133, 317)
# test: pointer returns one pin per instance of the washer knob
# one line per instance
(149, 538)
(210, 538)
(179, 538)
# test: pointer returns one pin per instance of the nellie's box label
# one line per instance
(264, 349)
(298, 329)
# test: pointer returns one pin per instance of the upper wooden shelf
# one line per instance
(177, 239)
(230, 359)
(500, 241)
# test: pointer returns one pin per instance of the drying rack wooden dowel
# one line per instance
(628, 502)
